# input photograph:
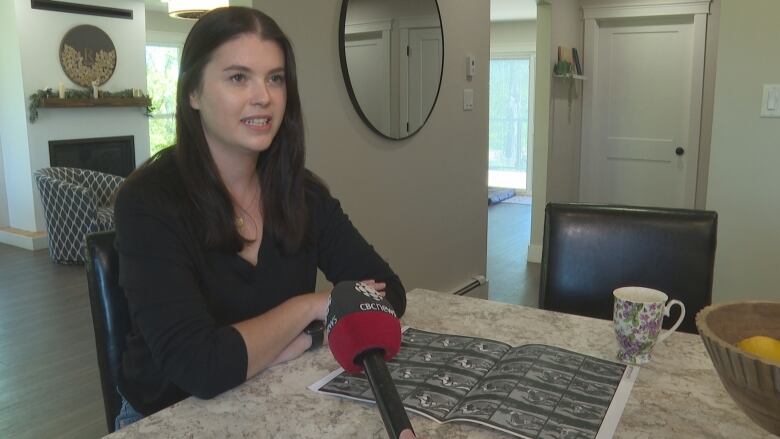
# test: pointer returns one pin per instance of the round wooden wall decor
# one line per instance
(87, 54)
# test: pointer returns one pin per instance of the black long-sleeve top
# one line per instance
(184, 298)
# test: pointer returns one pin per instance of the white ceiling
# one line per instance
(500, 10)
(505, 10)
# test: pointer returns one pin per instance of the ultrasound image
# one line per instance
(535, 391)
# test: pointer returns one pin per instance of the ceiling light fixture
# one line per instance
(193, 9)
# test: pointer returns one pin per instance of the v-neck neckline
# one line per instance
(259, 254)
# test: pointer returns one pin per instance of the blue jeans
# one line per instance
(127, 415)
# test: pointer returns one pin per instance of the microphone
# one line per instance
(364, 332)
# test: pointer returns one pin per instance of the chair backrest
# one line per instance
(101, 184)
(110, 316)
(70, 175)
(589, 250)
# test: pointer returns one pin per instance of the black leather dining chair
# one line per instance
(110, 317)
(590, 250)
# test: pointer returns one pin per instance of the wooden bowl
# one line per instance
(753, 382)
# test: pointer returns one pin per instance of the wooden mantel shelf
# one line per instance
(101, 102)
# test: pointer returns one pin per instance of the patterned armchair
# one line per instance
(75, 202)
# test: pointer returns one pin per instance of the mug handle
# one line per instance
(674, 327)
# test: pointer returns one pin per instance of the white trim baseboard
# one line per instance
(535, 253)
(22, 239)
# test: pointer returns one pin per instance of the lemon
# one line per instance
(762, 346)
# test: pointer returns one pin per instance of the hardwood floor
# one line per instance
(510, 278)
(49, 383)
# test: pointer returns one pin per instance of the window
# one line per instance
(510, 121)
(162, 73)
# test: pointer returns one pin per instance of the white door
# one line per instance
(368, 62)
(425, 55)
(640, 145)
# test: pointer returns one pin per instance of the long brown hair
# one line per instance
(280, 167)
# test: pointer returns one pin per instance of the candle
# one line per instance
(62, 91)
(94, 89)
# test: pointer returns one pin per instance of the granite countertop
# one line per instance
(677, 395)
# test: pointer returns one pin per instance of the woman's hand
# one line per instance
(378, 286)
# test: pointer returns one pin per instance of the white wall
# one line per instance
(18, 188)
(420, 201)
(745, 154)
(40, 69)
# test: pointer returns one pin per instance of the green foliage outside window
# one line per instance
(162, 72)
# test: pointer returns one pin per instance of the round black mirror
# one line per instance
(392, 58)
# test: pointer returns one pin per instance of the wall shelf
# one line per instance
(100, 102)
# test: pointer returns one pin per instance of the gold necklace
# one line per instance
(239, 219)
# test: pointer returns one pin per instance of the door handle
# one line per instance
(680, 150)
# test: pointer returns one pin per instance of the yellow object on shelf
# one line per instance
(762, 346)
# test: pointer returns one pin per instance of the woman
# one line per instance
(221, 235)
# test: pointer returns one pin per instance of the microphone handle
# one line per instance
(387, 399)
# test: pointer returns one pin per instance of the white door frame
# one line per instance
(594, 12)
(404, 24)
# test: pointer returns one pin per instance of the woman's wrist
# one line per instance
(316, 331)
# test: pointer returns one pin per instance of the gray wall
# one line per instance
(563, 166)
(421, 201)
(745, 153)
(558, 124)
(513, 35)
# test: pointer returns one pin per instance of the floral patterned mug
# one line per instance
(637, 319)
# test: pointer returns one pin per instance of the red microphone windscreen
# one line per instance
(360, 320)
(359, 332)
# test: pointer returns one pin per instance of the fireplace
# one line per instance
(111, 155)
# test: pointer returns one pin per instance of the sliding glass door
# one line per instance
(511, 123)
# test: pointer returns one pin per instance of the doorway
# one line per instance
(510, 144)
(642, 109)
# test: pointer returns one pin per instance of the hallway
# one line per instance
(510, 278)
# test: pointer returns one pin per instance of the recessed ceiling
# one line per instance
(507, 10)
